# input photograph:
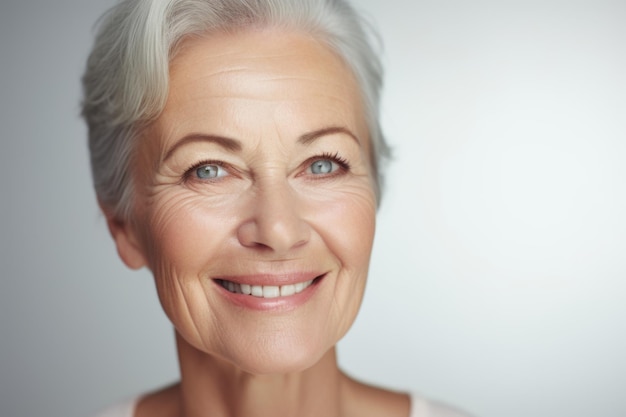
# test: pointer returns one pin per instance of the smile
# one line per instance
(265, 291)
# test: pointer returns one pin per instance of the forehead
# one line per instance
(228, 81)
(270, 50)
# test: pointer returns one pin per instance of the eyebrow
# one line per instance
(226, 143)
(235, 146)
(307, 138)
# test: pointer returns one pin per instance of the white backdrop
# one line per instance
(497, 282)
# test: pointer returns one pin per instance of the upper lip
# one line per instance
(271, 279)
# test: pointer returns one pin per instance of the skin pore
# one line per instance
(257, 174)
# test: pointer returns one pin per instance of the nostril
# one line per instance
(279, 234)
(275, 220)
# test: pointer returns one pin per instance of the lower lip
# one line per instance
(271, 304)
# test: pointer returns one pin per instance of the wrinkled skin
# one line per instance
(263, 206)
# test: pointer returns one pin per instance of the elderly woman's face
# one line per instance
(256, 207)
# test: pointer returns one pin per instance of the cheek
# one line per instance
(184, 235)
(184, 229)
(347, 224)
(347, 227)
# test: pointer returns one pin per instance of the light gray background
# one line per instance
(498, 277)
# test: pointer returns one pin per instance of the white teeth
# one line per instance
(257, 291)
(246, 289)
(266, 291)
(287, 290)
(271, 291)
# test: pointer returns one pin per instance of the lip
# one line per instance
(272, 279)
(282, 303)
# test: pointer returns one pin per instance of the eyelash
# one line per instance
(189, 172)
(343, 163)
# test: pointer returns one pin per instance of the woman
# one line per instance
(236, 153)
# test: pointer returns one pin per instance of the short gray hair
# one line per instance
(126, 80)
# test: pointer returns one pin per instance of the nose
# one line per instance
(276, 222)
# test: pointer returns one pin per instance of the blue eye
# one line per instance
(210, 171)
(322, 166)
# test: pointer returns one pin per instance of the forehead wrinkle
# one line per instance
(237, 72)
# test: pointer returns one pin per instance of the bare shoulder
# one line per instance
(371, 401)
(163, 402)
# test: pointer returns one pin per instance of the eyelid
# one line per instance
(343, 164)
(188, 175)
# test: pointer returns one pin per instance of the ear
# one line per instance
(126, 240)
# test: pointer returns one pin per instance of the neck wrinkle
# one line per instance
(212, 387)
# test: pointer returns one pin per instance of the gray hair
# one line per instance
(126, 80)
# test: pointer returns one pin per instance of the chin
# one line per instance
(266, 357)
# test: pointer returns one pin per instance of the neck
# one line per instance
(212, 387)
